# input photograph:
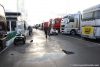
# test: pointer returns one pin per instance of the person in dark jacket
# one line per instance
(49, 29)
(46, 30)
(30, 30)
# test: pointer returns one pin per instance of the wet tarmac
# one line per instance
(55, 51)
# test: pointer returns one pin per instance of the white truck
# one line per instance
(71, 24)
(91, 22)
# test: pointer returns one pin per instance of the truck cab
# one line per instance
(63, 24)
(71, 24)
(56, 23)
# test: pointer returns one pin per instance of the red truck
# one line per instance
(56, 23)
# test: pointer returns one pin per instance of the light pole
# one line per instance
(17, 18)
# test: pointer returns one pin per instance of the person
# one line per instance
(45, 30)
(30, 30)
(49, 29)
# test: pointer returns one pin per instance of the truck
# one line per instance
(56, 23)
(41, 26)
(3, 28)
(71, 24)
(91, 22)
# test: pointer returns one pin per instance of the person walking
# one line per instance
(30, 30)
(49, 29)
(46, 30)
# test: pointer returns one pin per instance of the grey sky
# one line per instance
(42, 10)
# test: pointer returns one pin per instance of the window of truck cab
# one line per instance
(71, 18)
(57, 21)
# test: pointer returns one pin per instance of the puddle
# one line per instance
(12, 54)
(68, 52)
(47, 56)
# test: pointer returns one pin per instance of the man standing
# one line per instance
(30, 30)
(49, 30)
(46, 30)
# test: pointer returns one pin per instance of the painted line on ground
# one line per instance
(83, 40)
(3, 50)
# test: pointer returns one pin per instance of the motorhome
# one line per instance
(14, 26)
(91, 22)
(71, 24)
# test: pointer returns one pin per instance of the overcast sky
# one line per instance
(39, 10)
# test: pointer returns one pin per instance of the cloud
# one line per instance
(10, 5)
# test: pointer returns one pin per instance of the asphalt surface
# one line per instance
(55, 51)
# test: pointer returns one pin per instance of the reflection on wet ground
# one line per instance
(38, 48)
(37, 52)
(46, 56)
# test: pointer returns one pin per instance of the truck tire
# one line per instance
(73, 32)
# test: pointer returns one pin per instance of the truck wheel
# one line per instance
(73, 32)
